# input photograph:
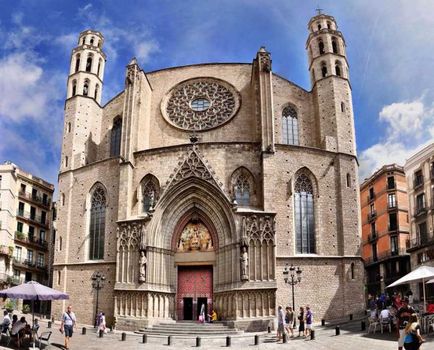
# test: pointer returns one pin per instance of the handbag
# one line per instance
(200, 318)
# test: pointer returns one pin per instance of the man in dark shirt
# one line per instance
(403, 316)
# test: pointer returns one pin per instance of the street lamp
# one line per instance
(295, 275)
(97, 283)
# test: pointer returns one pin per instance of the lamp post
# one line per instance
(98, 279)
(292, 276)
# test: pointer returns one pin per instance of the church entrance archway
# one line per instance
(195, 258)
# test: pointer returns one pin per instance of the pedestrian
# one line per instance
(289, 321)
(301, 321)
(309, 321)
(202, 314)
(67, 325)
(403, 317)
(102, 323)
(280, 323)
(413, 339)
(6, 321)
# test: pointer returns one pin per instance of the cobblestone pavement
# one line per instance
(325, 338)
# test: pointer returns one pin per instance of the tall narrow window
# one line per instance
(304, 215)
(321, 47)
(394, 245)
(115, 142)
(89, 64)
(97, 224)
(348, 180)
(149, 196)
(74, 87)
(352, 271)
(96, 91)
(99, 67)
(289, 126)
(323, 70)
(242, 190)
(391, 200)
(319, 26)
(86, 88)
(342, 107)
(338, 69)
(329, 25)
(92, 40)
(77, 63)
(334, 46)
(66, 161)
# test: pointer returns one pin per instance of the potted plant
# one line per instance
(26, 309)
(9, 306)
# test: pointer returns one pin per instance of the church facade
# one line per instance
(197, 185)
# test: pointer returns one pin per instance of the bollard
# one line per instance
(228, 341)
(323, 322)
(197, 342)
(351, 317)
(144, 339)
(83, 330)
(363, 325)
(312, 334)
(124, 336)
(256, 339)
(337, 330)
(284, 339)
(101, 333)
(269, 329)
(169, 340)
(111, 328)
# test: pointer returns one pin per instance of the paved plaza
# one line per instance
(350, 338)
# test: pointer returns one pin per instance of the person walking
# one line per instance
(280, 323)
(309, 321)
(412, 339)
(289, 321)
(301, 321)
(67, 325)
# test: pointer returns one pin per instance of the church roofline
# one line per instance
(198, 64)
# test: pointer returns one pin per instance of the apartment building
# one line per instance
(385, 227)
(419, 171)
(25, 218)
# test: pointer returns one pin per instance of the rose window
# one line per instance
(200, 104)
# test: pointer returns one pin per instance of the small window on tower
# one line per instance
(321, 47)
(324, 70)
(334, 45)
(329, 25)
(342, 107)
(338, 69)
(348, 180)
(92, 41)
(69, 127)
(96, 91)
(66, 161)
(99, 67)
(74, 87)
(319, 26)
(84, 40)
(77, 63)
(86, 88)
(89, 64)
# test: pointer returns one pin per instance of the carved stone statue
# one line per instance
(244, 262)
(142, 266)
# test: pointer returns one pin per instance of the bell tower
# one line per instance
(328, 67)
(87, 66)
(83, 111)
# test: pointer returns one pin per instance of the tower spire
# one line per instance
(318, 10)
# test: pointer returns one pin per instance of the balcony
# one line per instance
(35, 199)
(372, 215)
(371, 197)
(422, 240)
(420, 210)
(390, 186)
(37, 219)
(392, 228)
(26, 263)
(372, 236)
(31, 240)
(392, 206)
(6, 250)
(418, 183)
(386, 255)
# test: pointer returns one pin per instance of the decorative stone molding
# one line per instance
(200, 104)
(259, 227)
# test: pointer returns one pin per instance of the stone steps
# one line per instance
(189, 329)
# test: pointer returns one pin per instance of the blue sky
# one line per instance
(390, 45)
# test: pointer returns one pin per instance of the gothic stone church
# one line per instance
(199, 184)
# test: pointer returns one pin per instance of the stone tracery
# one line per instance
(222, 104)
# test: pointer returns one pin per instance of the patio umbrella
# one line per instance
(33, 291)
(422, 273)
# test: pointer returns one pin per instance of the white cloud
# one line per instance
(409, 128)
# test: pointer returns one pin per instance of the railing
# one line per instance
(372, 236)
(29, 263)
(385, 255)
(372, 215)
(391, 186)
(420, 210)
(13, 280)
(21, 236)
(392, 228)
(6, 250)
(34, 218)
(420, 240)
(35, 198)
(418, 182)
(371, 197)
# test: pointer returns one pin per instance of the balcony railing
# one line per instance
(372, 236)
(371, 197)
(21, 236)
(35, 198)
(391, 186)
(372, 215)
(420, 210)
(30, 263)
(385, 255)
(392, 228)
(421, 240)
(32, 217)
(418, 182)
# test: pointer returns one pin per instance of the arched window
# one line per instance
(89, 63)
(289, 126)
(74, 87)
(352, 271)
(338, 68)
(319, 26)
(99, 66)
(84, 41)
(150, 193)
(115, 141)
(323, 69)
(329, 25)
(304, 215)
(342, 107)
(86, 88)
(97, 224)
(92, 40)
(96, 91)
(77, 63)
(321, 47)
(334, 46)
(242, 190)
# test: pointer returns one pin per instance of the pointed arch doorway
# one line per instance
(194, 245)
